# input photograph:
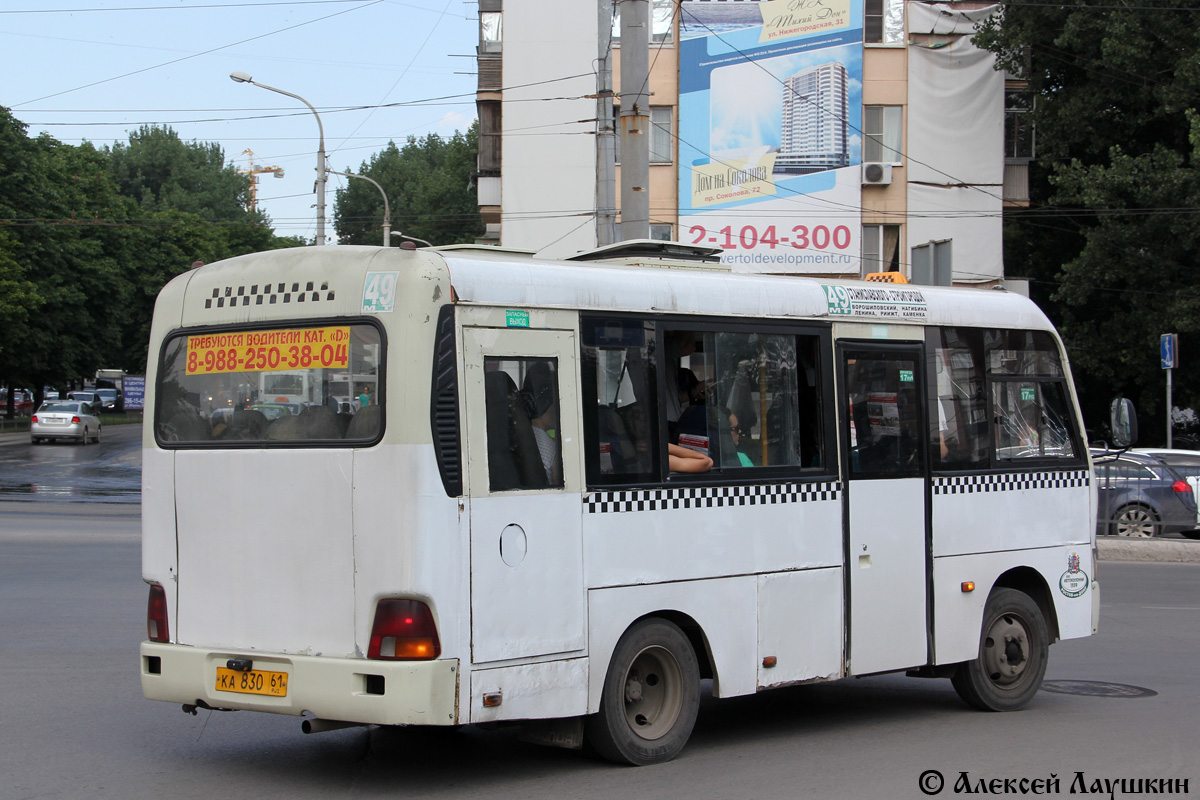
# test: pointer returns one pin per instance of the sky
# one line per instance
(376, 70)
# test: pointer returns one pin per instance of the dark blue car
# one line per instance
(1140, 495)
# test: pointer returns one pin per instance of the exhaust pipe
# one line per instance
(322, 725)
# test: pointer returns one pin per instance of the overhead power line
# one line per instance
(174, 8)
(197, 55)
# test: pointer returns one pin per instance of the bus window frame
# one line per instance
(729, 476)
(279, 444)
(593, 479)
(1001, 465)
(994, 464)
(848, 349)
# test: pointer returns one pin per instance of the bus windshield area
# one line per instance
(256, 387)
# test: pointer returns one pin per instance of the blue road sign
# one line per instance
(1168, 346)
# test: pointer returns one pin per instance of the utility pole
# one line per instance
(606, 137)
(635, 119)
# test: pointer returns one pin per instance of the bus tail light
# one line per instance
(404, 631)
(156, 615)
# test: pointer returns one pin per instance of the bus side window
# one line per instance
(522, 444)
(748, 399)
(620, 410)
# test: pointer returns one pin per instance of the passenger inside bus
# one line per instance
(514, 461)
(539, 394)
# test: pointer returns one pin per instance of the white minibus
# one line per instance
(583, 487)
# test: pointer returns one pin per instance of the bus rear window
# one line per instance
(310, 384)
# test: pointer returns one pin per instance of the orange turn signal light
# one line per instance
(769, 662)
(968, 586)
(492, 699)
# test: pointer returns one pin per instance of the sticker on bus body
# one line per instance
(1074, 582)
(379, 292)
(268, 351)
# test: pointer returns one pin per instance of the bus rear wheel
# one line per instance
(1013, 650)
(651, 696)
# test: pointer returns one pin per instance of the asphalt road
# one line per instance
(72, 611)
(108, 472)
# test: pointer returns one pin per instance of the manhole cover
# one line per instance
(1096, 689)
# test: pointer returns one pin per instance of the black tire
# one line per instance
(651, 696)
(1190, 534)
(1014, 647)
(1136, 521)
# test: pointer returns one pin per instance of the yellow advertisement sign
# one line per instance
(731, 180)
(783, 19)
(268, 351)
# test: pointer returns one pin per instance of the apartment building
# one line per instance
(821, 137)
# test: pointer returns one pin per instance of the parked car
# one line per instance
(86, 396)
(66, 419)
(112, 400)
(1187, 464)
(22, 402)
(1141, 496)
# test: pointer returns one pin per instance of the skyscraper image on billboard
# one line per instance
(770, 117)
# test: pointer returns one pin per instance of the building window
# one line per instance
(883, 22)
(1018, 130)
(660, 135)
(490, 31)
(662, 233)
(662, 19)
(882, 126)
(880, 248)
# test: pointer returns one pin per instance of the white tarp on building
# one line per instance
(548, 179)
(955, 165)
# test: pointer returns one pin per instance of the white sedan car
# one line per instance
(65, 419)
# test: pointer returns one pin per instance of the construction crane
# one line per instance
(254, 172)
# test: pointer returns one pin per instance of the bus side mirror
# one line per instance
(1124, 422)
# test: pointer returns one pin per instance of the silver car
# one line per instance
(66, 419)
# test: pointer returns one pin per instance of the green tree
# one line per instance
(428, 183)
(190, 206)
(60, 225)
(18, 295)
(88, 237)
(1110, 238)
(162, 172)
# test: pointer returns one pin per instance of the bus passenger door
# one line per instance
(883, 435)
(527, 596)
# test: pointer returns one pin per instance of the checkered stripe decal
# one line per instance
(268, 293)
(1010, 482)
(709, 497)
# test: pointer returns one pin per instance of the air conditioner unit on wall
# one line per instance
(876, 174)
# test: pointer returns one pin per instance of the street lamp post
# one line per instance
(387, 212)
(241, 77)
(415, 239)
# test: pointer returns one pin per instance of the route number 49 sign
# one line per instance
(379, 292)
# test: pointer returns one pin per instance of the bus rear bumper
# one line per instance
(346, 689)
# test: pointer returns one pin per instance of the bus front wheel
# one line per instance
(651, 696)
(1013, 650)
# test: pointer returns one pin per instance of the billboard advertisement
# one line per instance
(770, 143)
